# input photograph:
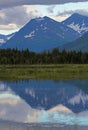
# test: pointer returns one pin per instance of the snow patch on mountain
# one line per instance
(78, 28)
(32, 34)
(77, 22)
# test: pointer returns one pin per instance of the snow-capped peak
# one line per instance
(77, 22)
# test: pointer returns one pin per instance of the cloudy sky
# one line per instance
(16, 13)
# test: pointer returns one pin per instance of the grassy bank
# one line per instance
(62, 71)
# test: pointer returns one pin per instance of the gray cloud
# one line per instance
(50, 9)
(11, 3)
(83, 12)
(61, 16)
(15, 17)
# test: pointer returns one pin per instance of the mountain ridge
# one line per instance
(41, 34)
(77, 22)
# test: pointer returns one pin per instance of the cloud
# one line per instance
(50, 9)
(61, 16)
(83, 12)
(16, 17)
(11, 3)
(8, 27)
(70, 12)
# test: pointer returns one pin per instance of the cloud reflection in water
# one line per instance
(14, 108)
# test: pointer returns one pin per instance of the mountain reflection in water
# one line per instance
(64, 102)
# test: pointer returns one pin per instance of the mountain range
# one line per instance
(44, 33)
(41, 34)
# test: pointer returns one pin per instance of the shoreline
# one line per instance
(55, 72)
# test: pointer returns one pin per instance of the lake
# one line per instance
(63, 102)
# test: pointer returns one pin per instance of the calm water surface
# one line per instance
(45, 101)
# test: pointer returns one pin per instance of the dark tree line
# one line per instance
(14, 56)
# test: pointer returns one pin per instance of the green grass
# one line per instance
(56, 72)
